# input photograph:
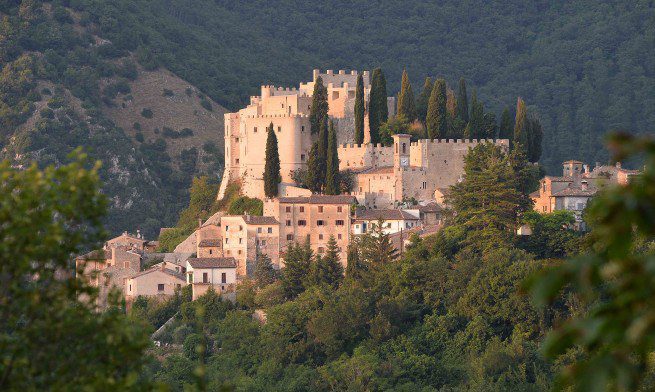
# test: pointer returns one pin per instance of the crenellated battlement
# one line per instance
(278, 116)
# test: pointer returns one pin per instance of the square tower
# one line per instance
(401, 144)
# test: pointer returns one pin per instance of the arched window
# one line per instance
(404, 148)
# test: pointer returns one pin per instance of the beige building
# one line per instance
(159, 280)
(288, 110)
(243, 236)
(393, 221)
(315, 217)
(388, 175)
(217, 273)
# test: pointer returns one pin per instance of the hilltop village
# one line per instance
(397, 188)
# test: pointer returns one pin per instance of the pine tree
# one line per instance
(506, 130)
(264, 272)
(489, 127)
(376, 246)
(378, 112)
(355, 268)
(297, 261)
(406, 102)
(359, 110)
(332, 164)
(319, 109)
(272, 176)
(436, 117)
(328, 269)
(422, 104)
(520, 128)
(462, 110)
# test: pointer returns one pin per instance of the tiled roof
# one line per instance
(96, 255)
(212, 262)
(260, 220)
(385, 215)
(320, 199)
(155, 269)
(535, 194)
(209, 243)
(575, 191)
(431, 207)
(560, 179)
(215, 219)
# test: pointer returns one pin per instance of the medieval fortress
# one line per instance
(384, 175)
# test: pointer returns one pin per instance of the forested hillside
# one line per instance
(584, 67)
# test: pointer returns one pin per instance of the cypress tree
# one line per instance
(332, 164)
(423, 98)
(535, 137)
(313, 180)
(476, 120)
(378, 112)
(520, 129)
(328, 269)
(319, 110)
(406, 103)
(505, 130)
(272, 166)
(436, 116)
(462, 109)
(297, 261)
(489, 127)
(359, 110)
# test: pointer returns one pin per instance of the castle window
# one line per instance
(279, 129)
(320, 236)
(287, 209)
(236, 161)
(210, 251)
(289, 237)
(263, 242)
(404, 148)
(339, 222)
(302, 209)
(239, 251)
(237, 140)
(259, 229)
(320, 222)
(339, 209)
(302, 222)
(227, 240)
(288, 222)
(302, 128)
(321, 249)
(339, 236)
(320, 208)
(282, 104)
(255, 130)
(223, 277)
(270, 230)
(160, 287)
(241, 240)
(302, 157)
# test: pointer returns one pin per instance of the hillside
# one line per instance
(581, 66)
(63, 87)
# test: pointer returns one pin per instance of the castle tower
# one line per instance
(572, 169)
(401, 143)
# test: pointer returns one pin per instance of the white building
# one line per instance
(393, 221)
(160, 280)
(219, 273)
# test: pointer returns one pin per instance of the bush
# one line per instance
(139, 137)
(147, 113)
(206, 104)
(170, 133)
(47, 113)
(168, 93)
(136, 126)
(181, 333)
(246, 205)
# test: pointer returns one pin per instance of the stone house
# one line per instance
(393, 221)
(244, 236)
(159, 280)
(217, 273)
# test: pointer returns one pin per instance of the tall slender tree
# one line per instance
(436, 117)
(359, 110)
(314, 169)
(476, 120)
(506, 129)
(378, 112)
(406, 101)
(462, 109)
(332, 164)
(520, 125)
(423, 98)
(272, 177)
(327, 270)
(319, 109)
(297, 260)
(535, 136)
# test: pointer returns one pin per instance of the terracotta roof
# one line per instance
(559, 179)
(431, 207)
(215, 219)
(385, 215)
(209, 243)
(212, 262)
(320, 199)
(96, 255)
(573, 161)
(575, 191)
(535, 194)
(155, 269)
(260, 220)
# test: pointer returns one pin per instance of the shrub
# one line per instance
(136, 126)
(168, 93)
(47, 113)
(147, 113)
(206, 104)
(246, 205)
(139, 137)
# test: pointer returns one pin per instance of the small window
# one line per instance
(227, 240)
(302, 222)
(255, 130)
(320, 222)
(237, 139)
(229, 252)
(339, 209)
(160, 287)
(240, 228)
(236, 161)
(263, 242)
(320, 208)
(223, 277)
(287, 209)
(270, 230)
(302, 157)
(339, 222)
(227, 228)
(279, 129)
(239, 251)
(127, 264)
(320, 236)
(289, 237)
(211, 251)
(321, 249)
(302, 128)
(259, 229)
(205, 277)
(130, 288)
(241, 240)
(302, 209)
(288, 222)
(338, 236)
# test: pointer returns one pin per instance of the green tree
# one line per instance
(506, 129)
(378, 111)
(489, 127)
(476, 122)
(436, 117)
(264, 272)
(423, 98)
(406, 101)
(319, 110)
(315, 169)
(615, 333)
(535, 136)
(462, 108)
(327, 269)
(332, 176)
(376, 247)
(520, 125)
(359, 110)
(272, 177)
(297, 263)
(51, 334)
(395, 125)
(355, 268)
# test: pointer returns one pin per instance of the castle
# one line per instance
(384, 175)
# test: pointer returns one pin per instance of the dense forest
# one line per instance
(582, 65)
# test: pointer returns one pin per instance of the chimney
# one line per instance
(138, 234)
(586, 169)
(584, 185)
(597, 165)
(199, 222)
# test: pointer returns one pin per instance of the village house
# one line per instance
(244, 236)
(316, 218)
(216, 273)
(159, 280)
(393, 221)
